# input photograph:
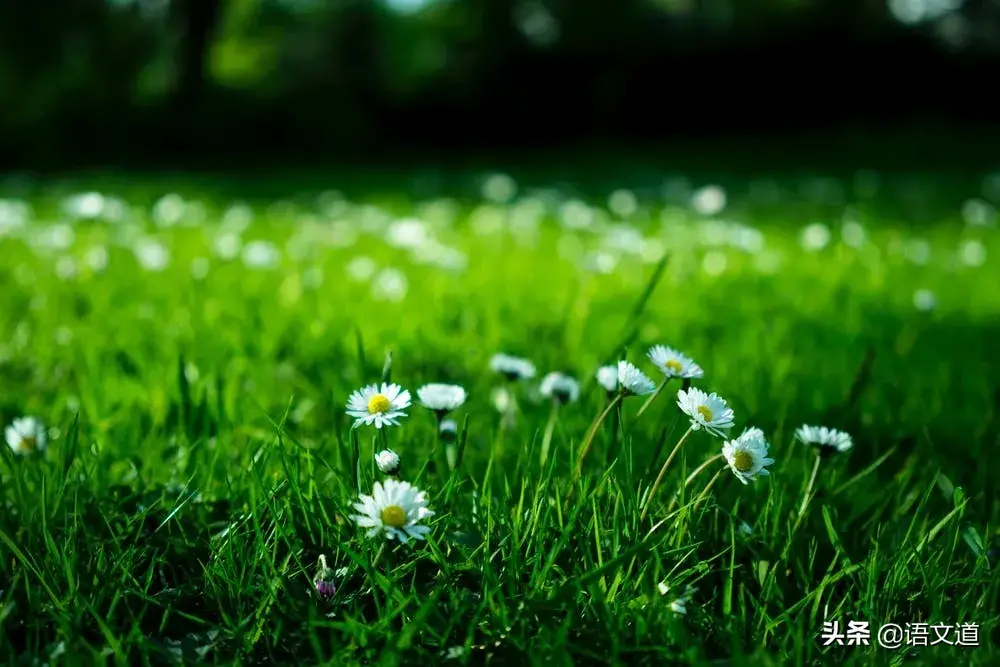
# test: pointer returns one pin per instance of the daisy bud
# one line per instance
(448, 431)
(387, 461)
(323, 581)
(560, 387)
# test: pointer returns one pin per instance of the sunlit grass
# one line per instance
(192, 357)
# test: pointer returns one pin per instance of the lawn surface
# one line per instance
(190, 344)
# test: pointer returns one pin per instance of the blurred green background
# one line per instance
(191, 82)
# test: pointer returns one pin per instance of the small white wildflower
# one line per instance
(607, 377)
(390, 285)
(560, 387)
(395, 509)
(152, 255)
(387, 462)
(747, 455)
(378, 405)
(924, 299)
(441, 398)
(825, 438)
(815, 237)
(499, 188)
(973, 253)
(227, 245)
(512, 368)
(633, 381)
(26, 435)
(454, 652)
(707, 411)
(709, 200)
(674, 364)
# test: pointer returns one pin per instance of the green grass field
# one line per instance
(191, 354)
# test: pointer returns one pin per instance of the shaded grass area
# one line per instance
(203, 460)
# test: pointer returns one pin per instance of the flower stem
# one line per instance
(807, 497)
(616, 426)
(663, 471)
(691, 477)
(652, 397)
(549, 428)
(711, 483)
(590, 435)
(356, 450)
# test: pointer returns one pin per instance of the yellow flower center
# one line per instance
(378, 403)
(743, 461)
(29, 443)
(705, 413)
(394, 516)
(674, 365)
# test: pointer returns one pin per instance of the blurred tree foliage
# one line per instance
(133, 77)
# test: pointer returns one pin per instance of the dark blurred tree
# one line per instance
(197, 22)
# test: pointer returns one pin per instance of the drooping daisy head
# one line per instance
(441, 398)
(324, 579)
(674, 364)
(633, 381)
(395, 509)
(828, 440)
(387, 462)
(26, 435)
(747, 455)
(378, 405)
(707, 411)
(560, 387)
(512, 368)
(607, 377)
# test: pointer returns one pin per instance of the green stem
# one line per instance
(550, 427)
(806, 498)
(590, 435)
(652, 397)
(691, 477)
(663, 471)
(711, 483)
(356, 450)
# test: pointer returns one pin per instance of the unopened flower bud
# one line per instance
(387, 461)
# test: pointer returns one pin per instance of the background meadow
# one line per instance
(191, 348)
(219, 218)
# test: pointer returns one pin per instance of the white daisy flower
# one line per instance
(674, 364)
(513, 368)
(678, 605)
(26, 435)
(560, 387)
(747, 455)
(828, 439)
(396, 509)
(441, 398)
(633, 381)
(380, 406)
(607, 377)
(387, 462)
(707, 411)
